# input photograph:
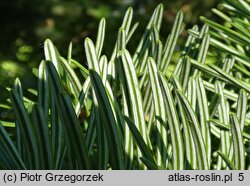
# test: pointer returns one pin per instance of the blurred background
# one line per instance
(25, 24)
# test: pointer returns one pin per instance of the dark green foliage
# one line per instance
(135, 109)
